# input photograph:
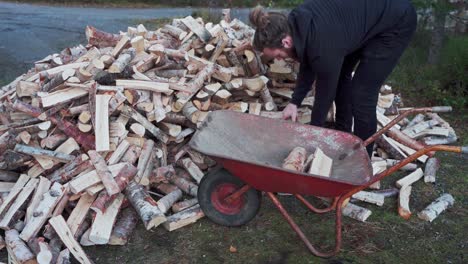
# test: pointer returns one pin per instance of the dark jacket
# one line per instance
(325, 31)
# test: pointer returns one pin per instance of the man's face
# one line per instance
(276, 53)
(287, 51)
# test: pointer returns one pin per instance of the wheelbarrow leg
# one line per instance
(299, 232)
(315, 209)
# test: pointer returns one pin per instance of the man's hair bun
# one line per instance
(259, 18)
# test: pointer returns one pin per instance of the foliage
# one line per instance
(444, 83)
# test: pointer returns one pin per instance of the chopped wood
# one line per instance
(145, 206)
(165, 203)
(370, 197)
(79, 213)
(130, 112)
(410, 179)
(20, 199)
(430, 170)
(124, 226)
(192, 169)
(295, 159)
(436, 208)
(403, 202)
(196, 28)
(104, 173)
(356, 212)
(63, 96)
(19, 251)
(102, 123)
(122, 179)
(80, 183)
(42, 187)
(119, 152)
(123, 42)
(180, 206)
(321, 164)
(183, 218)
(43, 211)
(104, 221)
(138, 129)
(62, 230)
(151, 86)
(38, 152)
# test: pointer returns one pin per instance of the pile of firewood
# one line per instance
(95, 138)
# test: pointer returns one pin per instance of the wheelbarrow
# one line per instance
(250, 150)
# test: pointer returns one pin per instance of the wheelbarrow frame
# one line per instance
(343, 195)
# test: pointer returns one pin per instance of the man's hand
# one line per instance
(290, 112)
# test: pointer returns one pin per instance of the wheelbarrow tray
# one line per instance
(253, 149)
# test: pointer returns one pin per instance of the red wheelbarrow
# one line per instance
(250, 150)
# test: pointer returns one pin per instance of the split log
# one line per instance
(78, 184)
(104, 221)
(21, 198)
(126, 174)
(180, 206)
(63, 96)
(321, 164)
(58, 80)
(102, 123)
(183, 218)
(79, 213)
(42, 188)
(436, 208)
(296, 159)
(165, 203)
(156, 87)
(132, 154)
(18, 249)
(403, 202)
(192, 169)
(62, 230)
(138, 129)
(103, 172)
(196, 28)
(130, 112)
(410, 179)
(26, 89)
(64, 257)
(17, 188)
(430, 170)
(123, 228)
(370, 197)
(407, 167)
(390, 148)
(119, 152)
(144, 159)
(43, 211)
(38, 152)
(121, 44)
(356, 212)
(70, 170)
(100, 38)
(145, 206)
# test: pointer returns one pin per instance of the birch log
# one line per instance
(296, 159)
(145, 206)
(436, 208)
(123, 228)
(20, 251)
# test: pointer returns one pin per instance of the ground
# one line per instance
(384, 238)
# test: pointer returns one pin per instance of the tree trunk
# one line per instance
(437, 37)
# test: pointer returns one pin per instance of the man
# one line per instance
(331, 39)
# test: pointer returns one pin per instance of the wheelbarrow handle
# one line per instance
(435, 109)
(441, 109)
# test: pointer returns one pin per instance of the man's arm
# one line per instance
(304, 82)
(325, 88)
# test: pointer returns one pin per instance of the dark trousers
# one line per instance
(357, 95)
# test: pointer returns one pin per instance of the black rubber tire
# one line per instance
(251, 198)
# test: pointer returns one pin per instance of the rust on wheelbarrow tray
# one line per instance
(253, 148)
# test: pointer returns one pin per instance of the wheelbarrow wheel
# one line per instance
(213, 190)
